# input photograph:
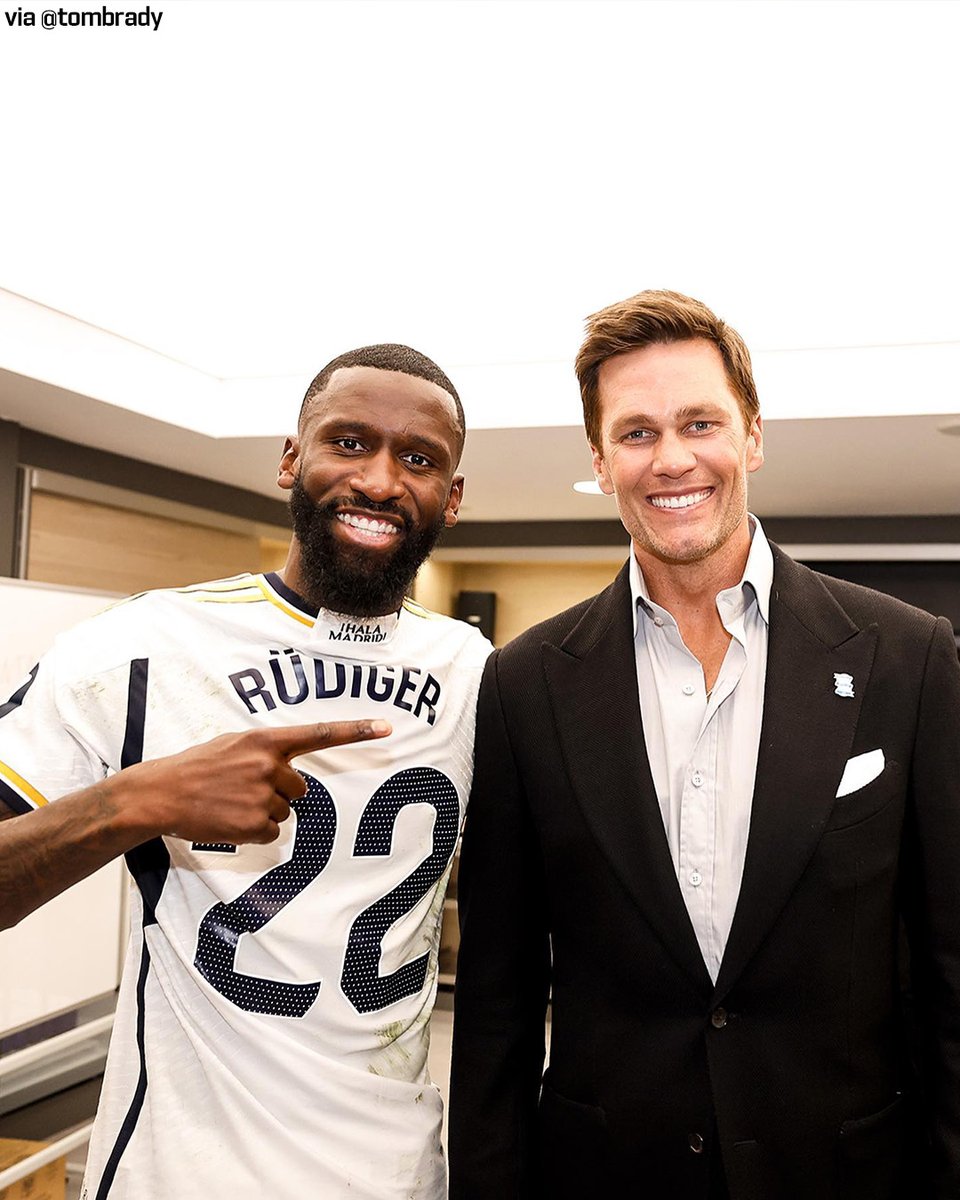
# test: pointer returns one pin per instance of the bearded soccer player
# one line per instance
(272, 1026)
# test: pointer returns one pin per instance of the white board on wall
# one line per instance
(69, 951)
(31, 616)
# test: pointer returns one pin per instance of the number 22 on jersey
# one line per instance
(364, 987)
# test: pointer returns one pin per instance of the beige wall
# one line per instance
(80, 543)
(273, 553)
(436, 587)
(526, 592)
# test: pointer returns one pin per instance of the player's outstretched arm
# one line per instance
(236, 788)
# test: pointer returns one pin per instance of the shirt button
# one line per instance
(695, 1142)
(718, 1018)
(688, 689)
(658, 621)
(695, 878)
(696, 779)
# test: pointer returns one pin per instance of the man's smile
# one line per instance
(681, 500)
(370, 531)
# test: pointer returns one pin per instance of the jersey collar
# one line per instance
(337, 631)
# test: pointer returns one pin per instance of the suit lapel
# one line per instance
(592, 684)
(805, 740)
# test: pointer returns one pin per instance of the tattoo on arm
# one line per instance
(44, 852)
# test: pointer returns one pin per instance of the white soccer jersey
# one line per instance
(272, 1027)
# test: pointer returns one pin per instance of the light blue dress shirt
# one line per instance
(703, 748)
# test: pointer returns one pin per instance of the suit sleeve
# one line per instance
(931, 901)
(503, 969)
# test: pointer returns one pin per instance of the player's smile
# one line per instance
(370, 530)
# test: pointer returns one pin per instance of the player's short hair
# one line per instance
(659, 318)
(389, 356)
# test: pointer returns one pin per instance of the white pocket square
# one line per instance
(859, 771)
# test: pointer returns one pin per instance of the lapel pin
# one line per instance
(843, 685)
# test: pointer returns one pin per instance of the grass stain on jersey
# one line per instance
(390, 1032)
(395, 1060)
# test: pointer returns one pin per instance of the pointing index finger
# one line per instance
(301, 739)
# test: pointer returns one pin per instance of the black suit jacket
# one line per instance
(796, 1068)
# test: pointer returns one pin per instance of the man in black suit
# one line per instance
(706, 802)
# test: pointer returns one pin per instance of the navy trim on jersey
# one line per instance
(290, 595)
(13, 800)
(136, 1104)
(150, 862)
(17, 698)
(132, 751)
(149, 865)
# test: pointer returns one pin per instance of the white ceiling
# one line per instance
(255, 187)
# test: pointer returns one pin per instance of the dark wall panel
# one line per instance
(9, 496)
(784, 530)
(934, 586)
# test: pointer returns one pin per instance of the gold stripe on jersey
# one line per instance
(27, 790)
(234, 583)
(248, 596)
(202, 591)
(239, 589)
(271, 595)
(417, 610)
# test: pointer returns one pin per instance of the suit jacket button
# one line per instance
(718, 1018)
(695, 1142)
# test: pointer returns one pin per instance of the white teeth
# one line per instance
(366, 524)
(678, 501)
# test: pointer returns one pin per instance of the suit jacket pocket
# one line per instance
(864, 803)
(871, 1153)
(574, 1151)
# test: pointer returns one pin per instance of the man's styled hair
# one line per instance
(659, 318)
(388, 356)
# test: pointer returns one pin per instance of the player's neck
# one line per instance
(291, 573)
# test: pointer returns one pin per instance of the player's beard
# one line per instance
(351, 579)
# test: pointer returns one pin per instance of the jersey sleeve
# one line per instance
(44, 751)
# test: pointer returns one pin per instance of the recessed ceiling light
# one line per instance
(953, 429)
(588, 487)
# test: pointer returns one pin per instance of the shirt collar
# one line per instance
(757, 576)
